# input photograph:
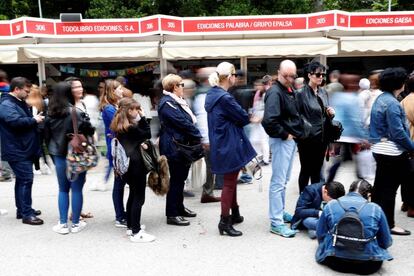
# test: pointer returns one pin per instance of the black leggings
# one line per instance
(311, 154)
(392, 171)
(136, 199)
(352, 266)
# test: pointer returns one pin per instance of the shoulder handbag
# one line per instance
(82, 154)
(333, 130)
(190, 152)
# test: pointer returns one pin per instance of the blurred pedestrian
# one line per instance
(258, 136)
(108, 106)
(354, 135)
(38, 106)
(200, 112)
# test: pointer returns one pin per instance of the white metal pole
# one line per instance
(389, 5)
(40, 8)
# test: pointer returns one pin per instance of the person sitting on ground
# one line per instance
(350, 252)
(311, 202)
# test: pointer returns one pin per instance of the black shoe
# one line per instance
(32, 221)
(36, 213)
(225, 226)
(187, 213)
(180, 221)
(188, 194)
(235, 216)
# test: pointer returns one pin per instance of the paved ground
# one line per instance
(102, 249)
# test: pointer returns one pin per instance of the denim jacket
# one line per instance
(388, 121)
(375, 224)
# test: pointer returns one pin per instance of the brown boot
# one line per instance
(205, 198)
(410, 212)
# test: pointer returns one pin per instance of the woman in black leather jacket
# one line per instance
(57, 127)
(313, 105)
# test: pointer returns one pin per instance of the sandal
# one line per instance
(83, 216)
(86, 215)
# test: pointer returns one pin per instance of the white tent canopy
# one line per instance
(377, 43)
(249, 48)
(8, 54)
(93, 50)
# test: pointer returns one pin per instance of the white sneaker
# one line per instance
(61, 228)
(3, 212)
(37, 172)
(45, 170)
(98, 187)
(101, 187)
(142, 236)
(129, 231)
(76, 228)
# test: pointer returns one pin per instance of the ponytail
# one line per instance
(213, 79)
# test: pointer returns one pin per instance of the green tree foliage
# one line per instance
(348, 5)
(382, 5)
(113, 9)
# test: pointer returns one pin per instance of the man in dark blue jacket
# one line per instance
(310, 204)
(20, 146)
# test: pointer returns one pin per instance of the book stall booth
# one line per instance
(148, 46)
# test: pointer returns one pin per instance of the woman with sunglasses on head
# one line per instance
(313, 105)
(230, 149)
(108, 105)
(177, 123)
(58, 125)
(77, 93)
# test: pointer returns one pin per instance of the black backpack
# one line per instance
(348, 233)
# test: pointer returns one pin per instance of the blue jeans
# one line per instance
(283, 152)
(64, 186)
(23, 171)
(219, 181)
(118, 198)
(310, 223)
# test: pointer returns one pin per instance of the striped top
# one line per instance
(386, 148)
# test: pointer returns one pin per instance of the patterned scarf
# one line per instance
(183, 104)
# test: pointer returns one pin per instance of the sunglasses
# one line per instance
(318, 75)
(181, 84)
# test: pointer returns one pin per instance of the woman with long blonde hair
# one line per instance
(131, 129)
(38, 106)
(229, 146)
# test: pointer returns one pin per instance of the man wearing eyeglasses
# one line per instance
(20, 145)
(283, 124)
